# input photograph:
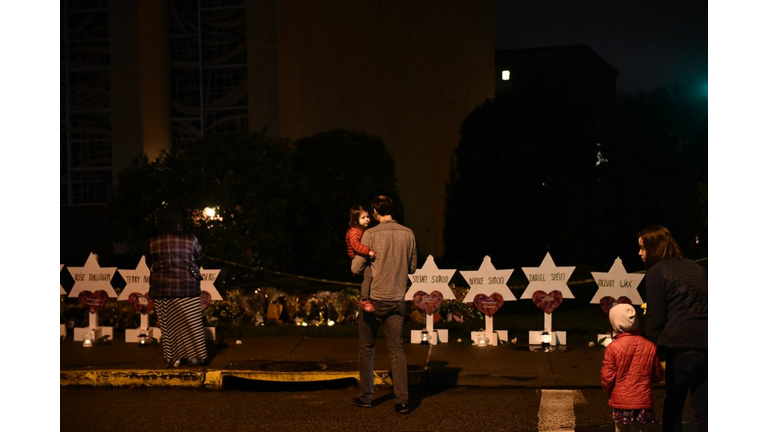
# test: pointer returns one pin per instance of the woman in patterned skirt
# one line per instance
(174, 284)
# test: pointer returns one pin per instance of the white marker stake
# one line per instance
(548, 322)
(489, 327)
(93, 321)
(430, 324)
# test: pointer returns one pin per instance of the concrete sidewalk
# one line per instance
(302, 360)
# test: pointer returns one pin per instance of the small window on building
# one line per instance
(505, 75)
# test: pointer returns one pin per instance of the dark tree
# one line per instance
(523, 181)
(658, 165)
(526, 177)
(342, 168)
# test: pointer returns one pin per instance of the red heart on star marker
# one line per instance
(488, 304)
(607, 302)
(205, 299)
(429, 303)
(93, 301)
(141, 303)
(547, 302)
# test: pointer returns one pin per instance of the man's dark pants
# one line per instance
(389, 315)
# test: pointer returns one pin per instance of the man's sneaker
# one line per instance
(367, 305)
(356, 401)
(402, 408)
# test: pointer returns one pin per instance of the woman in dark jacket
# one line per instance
(676, 321)
(174, 284)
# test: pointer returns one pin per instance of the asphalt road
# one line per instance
(448, 409)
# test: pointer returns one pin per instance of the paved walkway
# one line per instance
(301, 359)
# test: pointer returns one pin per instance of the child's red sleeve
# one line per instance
(608, 371)
(354, 236)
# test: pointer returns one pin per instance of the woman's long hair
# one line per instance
(659, 245)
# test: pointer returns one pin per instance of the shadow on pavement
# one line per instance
(244, 384)
(438, 373)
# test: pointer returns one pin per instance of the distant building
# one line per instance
(138, 76)
(576, 72)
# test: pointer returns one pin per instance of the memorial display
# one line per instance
(488, 292)
(429, 287)
(92, 288)
(547, 288)
(615, 287)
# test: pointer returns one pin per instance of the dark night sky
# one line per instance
(650, 43)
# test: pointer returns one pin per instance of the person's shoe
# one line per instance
(367, 305)
(402, 408)
(177, 363)
(356, 401)
(195, 361)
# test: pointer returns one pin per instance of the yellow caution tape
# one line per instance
(328, 281)
(262, 269)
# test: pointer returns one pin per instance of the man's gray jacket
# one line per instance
(395, 248)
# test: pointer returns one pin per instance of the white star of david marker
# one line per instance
(616, 283)
(547, 278)
(430, 278)
(92, 277)
(207, 283)
(487, 280)
(61, 288)
(137, 281)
